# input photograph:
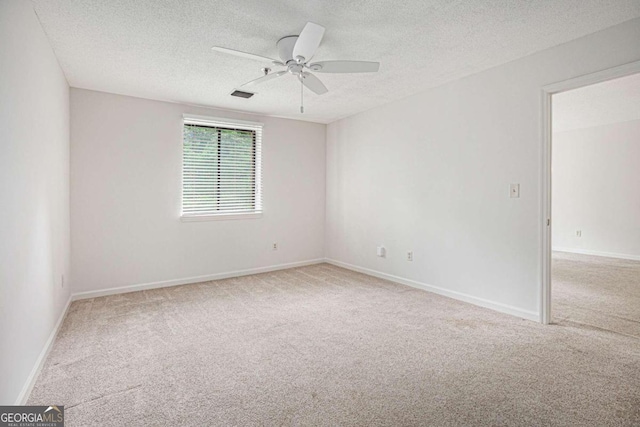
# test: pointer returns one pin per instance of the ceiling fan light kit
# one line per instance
(295, 54)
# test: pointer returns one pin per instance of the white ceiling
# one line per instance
(161, 49)
(600, 104)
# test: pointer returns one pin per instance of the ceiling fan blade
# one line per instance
(345, 67)
(263, 79)
(244, 54)
(313, 83)
(308, 41)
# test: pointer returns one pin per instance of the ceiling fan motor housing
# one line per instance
(285, 51)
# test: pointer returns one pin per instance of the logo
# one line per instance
(32, 416)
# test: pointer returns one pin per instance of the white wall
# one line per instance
(34, 190)
(596, 189)
(126, 170)
(431, 173)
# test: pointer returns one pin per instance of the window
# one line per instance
(221, 169)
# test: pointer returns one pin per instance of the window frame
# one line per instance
(219, 122)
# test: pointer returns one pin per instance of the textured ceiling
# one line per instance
(600, 104)
(160, 49)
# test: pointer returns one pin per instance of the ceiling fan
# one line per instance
(295, 53)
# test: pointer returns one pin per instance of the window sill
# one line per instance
(220, 217)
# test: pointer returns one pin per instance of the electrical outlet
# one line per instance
(579, 233)
(381, 251)
(409, 255)
(275, 246)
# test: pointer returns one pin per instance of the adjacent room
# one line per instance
(239, 213)
(596, 206)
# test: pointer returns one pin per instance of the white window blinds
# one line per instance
(221, 167)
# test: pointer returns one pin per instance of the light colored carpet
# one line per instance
(324, 346)
(596, 291)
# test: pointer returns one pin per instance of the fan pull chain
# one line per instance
(301, 97)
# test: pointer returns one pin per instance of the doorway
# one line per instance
(546, 224)
(591, 201)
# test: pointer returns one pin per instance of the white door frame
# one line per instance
(547, 92)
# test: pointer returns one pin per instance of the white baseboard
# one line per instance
(503, 308)
(33, 376)
(598, 253)
(189, 280)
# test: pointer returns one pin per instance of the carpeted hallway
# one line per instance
(324, 346)
(596, 292)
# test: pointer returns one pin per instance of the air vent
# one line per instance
(241, 94)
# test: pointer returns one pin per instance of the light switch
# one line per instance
(514, 191)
